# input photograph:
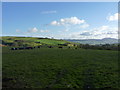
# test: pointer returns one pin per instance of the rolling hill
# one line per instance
(31, 41)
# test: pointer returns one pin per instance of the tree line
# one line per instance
(101, 46)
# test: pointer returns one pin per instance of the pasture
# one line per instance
(59, 68)
(30, 41)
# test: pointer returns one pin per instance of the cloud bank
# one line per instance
(96, 33)
(113, 17)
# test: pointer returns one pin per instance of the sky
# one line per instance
(60, 20)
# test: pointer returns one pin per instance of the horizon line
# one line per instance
(55, 38)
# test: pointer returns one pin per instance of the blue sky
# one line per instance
(80, 20)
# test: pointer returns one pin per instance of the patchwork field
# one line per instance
(59, 68)
(30, 41)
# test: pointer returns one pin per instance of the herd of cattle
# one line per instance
(23, 48)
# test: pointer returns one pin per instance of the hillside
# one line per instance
(31, 41)
(57, 67)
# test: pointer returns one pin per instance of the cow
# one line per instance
(60, 47)
(39, 47)
(14, 48)
(29, 48)
(21, 48)
(50, 47)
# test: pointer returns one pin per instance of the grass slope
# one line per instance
(60, 68)
(31, 41)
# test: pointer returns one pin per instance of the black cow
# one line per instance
(60, 47)
(14, 48)
(68, 47)
(29, 48)
(39, 46)
(21, 48)
(50, 47)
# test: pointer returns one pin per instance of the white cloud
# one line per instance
(84, 25)
(33, 30)
(68, 21)
(96, 33)
(113, 17)
(42, 31)
(55, 23)
(103, 28)
(49, 12)
(17, 30)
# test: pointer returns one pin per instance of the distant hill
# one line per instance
(30, 41)
(94, 41)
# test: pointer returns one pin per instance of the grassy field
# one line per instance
(60, 68)
(30, 41)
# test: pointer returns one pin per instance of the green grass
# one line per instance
(60, 68)
(31, 41)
